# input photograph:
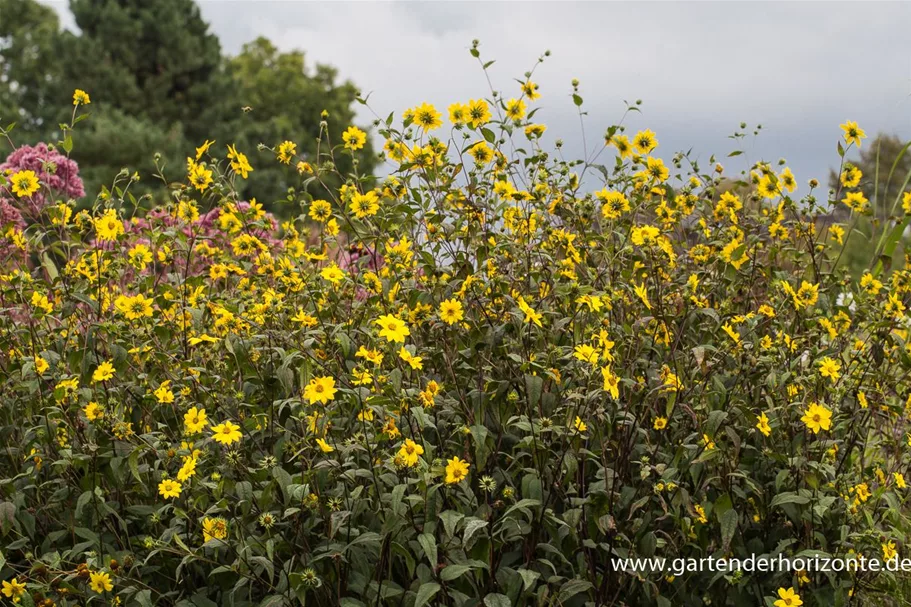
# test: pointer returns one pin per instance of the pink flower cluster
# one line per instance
(57, 173)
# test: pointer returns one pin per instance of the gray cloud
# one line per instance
(701, 68)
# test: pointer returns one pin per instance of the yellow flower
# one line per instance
(817, 417)
(611, 382)
(889, 551)
(239, 163)
(763, 424)
(13, 590)
(365, 205)
(530, 90)
(80, 97)
(214, 529)
(642, 292)
(25, 183)
(478, 113)
(199, 177)
(451, 311)
(458, 113)
(788, 598)
(853, 133)
(104, 372)
(645, 141)
(324, 446)
(828, 367)
(529, 313)
(140, 256)
(354, 138)
(426, 116)
(856, 201)
(851, 176)
(163, 393)
(768, 186)
(108, 226)
(624, 147)
(320, 390)
(579, 425)
(40, 300)
(373, 356)
(515, 109)
(169, 488)
(135, 307)
(899, 480)
(41, 365)
(654, 168)
(481, 153)
(188, 469)
(194, 420)
(392, 328)
(586, 353)
(93, 411)
(410, 452)
(414, 361)
(332, 273)
(613, 204)
(203, 148)
(534, 131)
(286, 151)
(456, 470)
(700, 514)
(786, 180)
(320, 210)
(226, 433)
(660, 423)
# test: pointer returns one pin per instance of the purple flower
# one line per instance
(56, 172)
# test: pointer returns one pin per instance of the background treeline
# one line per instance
(160, 84)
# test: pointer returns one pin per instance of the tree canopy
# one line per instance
(161, 85)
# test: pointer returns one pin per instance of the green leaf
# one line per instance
(497, 600)
(450, 519)
(647, 544)
(789, 498)
(426, 592)
(472, 526)
(451, 572)
(571, 589)
(728, 527)
(529, 578)
(429, 544)
(534, 384)
(144, 598)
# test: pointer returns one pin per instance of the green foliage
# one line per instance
(285, 104)
(160, 85)
(29, 59)
(472, 384)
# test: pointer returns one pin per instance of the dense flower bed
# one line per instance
(474, 382)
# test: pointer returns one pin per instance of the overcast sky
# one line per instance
(799, 69)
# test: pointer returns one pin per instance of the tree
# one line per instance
(154, 59)
(285, 103)
(29, 63)
(160, 86)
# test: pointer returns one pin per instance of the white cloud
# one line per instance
(798, 68)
